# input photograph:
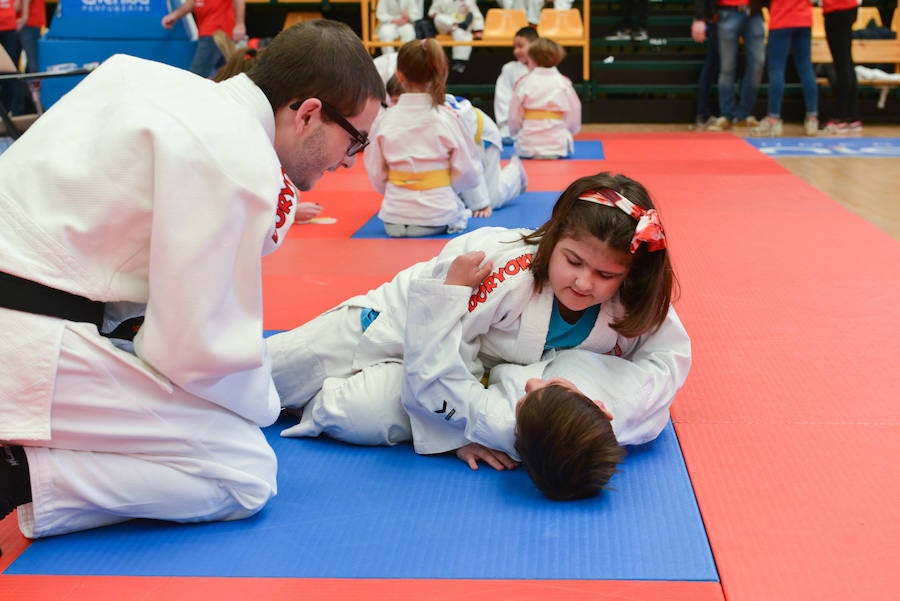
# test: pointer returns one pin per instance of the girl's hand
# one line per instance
(473, 452)
(485, 212)
(467, 270)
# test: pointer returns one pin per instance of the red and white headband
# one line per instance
(649, 229)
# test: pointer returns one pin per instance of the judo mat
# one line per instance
(354, 512)
(828, 147)
(529, 210)
(591, 150)
(788, 426)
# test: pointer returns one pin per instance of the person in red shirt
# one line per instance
(211, 16)
(790, 32)
(11, 91)
(839, 18)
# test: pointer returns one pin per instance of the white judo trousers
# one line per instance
(500, 184)
(126, 445)
(346, 403)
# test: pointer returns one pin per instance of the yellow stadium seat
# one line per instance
(561, 25)
(501, 24)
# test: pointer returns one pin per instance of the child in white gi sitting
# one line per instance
(420, 156)
(500, 184)
(510, 73)
(463, 20)
(545, 111)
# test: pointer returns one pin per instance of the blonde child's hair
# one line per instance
(546, 53)
(424, 63)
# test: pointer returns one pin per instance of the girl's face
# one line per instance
(584, 272)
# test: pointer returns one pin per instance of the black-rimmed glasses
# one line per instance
(359, 140)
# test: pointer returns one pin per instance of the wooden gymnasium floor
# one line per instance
(788, 425)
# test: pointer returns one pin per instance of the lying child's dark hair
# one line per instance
(566, 443)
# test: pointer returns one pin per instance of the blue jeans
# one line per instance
(29, 36)
(734, 25)
(207, 57)
(795, 41)
(709, 73)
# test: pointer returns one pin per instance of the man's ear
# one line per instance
(306, 113)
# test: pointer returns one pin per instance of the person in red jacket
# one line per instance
(790, 32)
(10, 91)
(211, 16)
(839, 18)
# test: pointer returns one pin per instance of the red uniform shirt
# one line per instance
(212, 15)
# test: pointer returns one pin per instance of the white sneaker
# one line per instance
(619, 36)
(811, 125)
(718, 124)
(769, 127)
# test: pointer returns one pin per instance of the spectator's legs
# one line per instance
(206, 57)
(801, 42)
(729, 30)
(754, 33)
(778, 48)
(838, 25)
(708, 73)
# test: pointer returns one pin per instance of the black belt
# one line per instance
(20, 294)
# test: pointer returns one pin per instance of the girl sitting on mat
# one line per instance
(420, 156)
(544, 111)
(500, 183)
(596, 276)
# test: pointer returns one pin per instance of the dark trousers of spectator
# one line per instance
(709, 74)
(634, 14)
(12, 92)
(838, 26)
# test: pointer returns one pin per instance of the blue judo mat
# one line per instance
(584, 150)
(528, 210)
(376, 512)
(828, 147)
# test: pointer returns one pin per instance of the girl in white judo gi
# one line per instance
(554, 415)
(596, 277)
(421, 156)
(500, 183)
(148, 191)
(545, 111)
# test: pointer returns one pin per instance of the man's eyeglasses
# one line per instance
(359, 139)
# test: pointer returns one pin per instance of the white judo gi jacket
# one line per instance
(159, 194)
(544, 89)
(505, 321)
(446, 403)
(510, 73)
(414, 136)
(500, 184)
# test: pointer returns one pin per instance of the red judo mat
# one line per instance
(788, 422)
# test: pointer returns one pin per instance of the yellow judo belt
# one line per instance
(421, 180)
(543, 115)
